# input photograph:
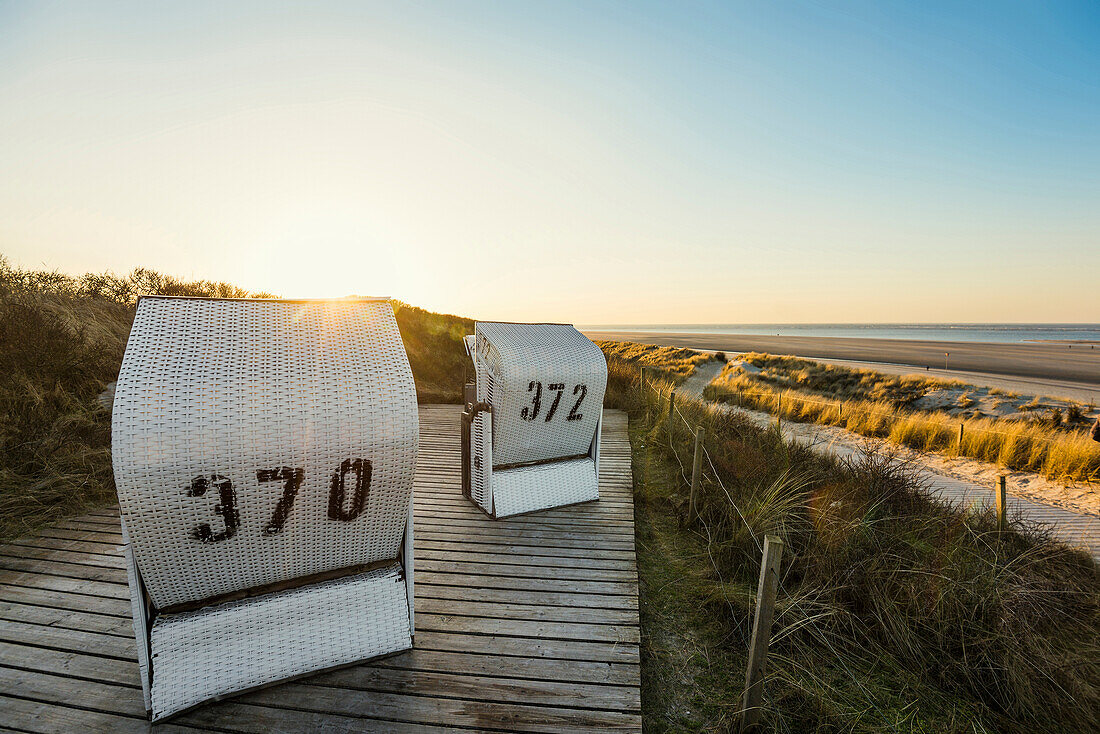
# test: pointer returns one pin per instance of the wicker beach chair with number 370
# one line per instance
(531, 428)
(264, 454)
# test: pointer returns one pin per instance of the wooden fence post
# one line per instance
(962, 426)
(761, 632)
(671, 409)
(779, 410)
(740, 399)
(840, 411)
(1000, 501)
(696, 473)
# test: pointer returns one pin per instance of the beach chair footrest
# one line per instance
(542, 486)
(240, 645)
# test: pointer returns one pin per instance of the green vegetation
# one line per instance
(895, 613)
(885, 406)
(437, 356)
(673, 363)
(61, 343)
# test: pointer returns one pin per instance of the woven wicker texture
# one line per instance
(531, 488)
(241, 645)
(546, 384)
(261, 441)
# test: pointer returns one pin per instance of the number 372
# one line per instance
(556, 389)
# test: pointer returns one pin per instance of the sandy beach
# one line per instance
(1076, 363)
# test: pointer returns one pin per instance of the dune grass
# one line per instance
(895, 613)
(673, 363)
(437, 356)
(61, 343)
(882, 412)
(836, 381)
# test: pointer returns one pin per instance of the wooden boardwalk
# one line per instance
(528, 624)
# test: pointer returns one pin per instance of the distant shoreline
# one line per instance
(1093, 342)
(1004, 333)
(1077, 362)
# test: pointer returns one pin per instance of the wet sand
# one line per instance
(1078, 363)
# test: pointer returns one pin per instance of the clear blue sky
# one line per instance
(590, 162)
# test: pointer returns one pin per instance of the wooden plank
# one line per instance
(70, 640)
(539, 598)
(65, 600)
(482, 715)
(473, 580)
(490, 564)
(501, 666)
(86, 705)
(49, 717)
(69, 664)
(536, 613)
(543, 629)
(65, 583)
(480, 688)
(66, 618)
(53, 554)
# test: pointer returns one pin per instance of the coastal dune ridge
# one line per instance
(1071, 362)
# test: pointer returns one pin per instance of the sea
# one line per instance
(1002, 333)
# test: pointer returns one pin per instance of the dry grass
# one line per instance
(673, 363)
(1025, 446)
(895, 613)
(438, 358)
(839, 382)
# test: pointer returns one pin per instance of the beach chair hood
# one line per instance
(546, 384)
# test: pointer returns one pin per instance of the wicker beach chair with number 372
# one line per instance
(264, 454)
(531, 428)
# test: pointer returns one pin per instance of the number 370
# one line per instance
(338, 506)
(531, 412)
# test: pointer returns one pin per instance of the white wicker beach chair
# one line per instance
(531, 427)
(264, 454)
